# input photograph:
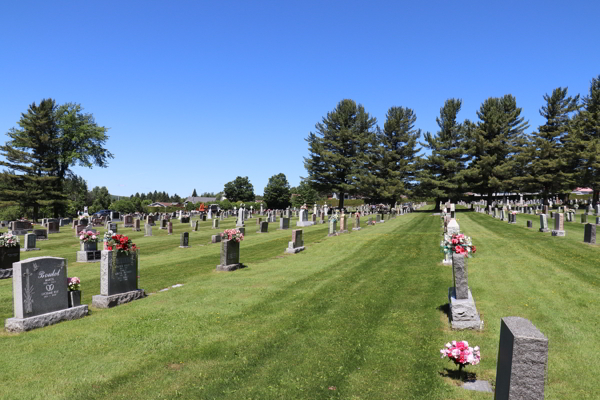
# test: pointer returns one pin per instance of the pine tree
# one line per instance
(443, 175)
(392, 157)
(277, 192)
(31, 179)
(583, 144)
(194, 194)
(497, 143)
(548, 171)
(338, 149)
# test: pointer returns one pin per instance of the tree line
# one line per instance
(350, 154)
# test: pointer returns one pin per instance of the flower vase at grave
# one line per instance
(89, 246)
(74, 298)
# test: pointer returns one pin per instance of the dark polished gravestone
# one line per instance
(230, 256)
(40, 294)
(184, 241)
(264, 227)
(128, 221)
(8, 256)
(589, 235)
(41, 234)
(20, 227)
(118, 279)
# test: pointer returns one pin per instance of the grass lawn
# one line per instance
(358, 316)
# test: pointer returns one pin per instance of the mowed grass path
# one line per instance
(352, 317)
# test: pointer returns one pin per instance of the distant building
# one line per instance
(583, 191)
(196, 200)
(164, 204)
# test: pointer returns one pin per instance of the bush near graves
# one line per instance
(11, 213)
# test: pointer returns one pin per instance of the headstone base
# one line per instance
(128, 226)
(447, 262)
(356, 229)
(544, 230)
(39, 321)
(89, 256)
(230, 267)
(340, 232)
(136, 230)
(184, 247)
(34, 249)
(6, 273)
(559, 233)
(333, 234)
(463, 313)
(215, 238)
(479, 386)
(294, 250)
(305, 223)
(20, 232)
(101, 301)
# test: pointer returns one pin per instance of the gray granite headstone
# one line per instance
(264, 227)
(230, 256)
(30, 242)
(163, 224)
(584, 218)
(136, 225)
(544, 223)
(522, 360)
(215, 224)
(459, 271)
(356, 223)
(216, 238)
(284, 223)
(559, 228)
(39, 286)
(118, 272)
(148, 230)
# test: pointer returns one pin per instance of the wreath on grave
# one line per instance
(88, 237)
(232, 234)
(459, 244)
(9, 240)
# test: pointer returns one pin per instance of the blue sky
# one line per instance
(197, 93)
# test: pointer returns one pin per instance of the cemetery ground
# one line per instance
(357, 316)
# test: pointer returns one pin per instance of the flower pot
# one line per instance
(89, 246)
(74, 298)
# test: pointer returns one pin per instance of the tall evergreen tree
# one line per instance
(30, 157)
(277, 192)
(392, 157)
(497, 141)
(583, 144)
(338, 149)
(194, 194)
(548, 170)
(442, 174)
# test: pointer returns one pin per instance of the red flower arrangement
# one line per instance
(120, 243)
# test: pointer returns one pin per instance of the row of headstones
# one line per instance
(559, 220)
(523, 350)
(41, 296)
